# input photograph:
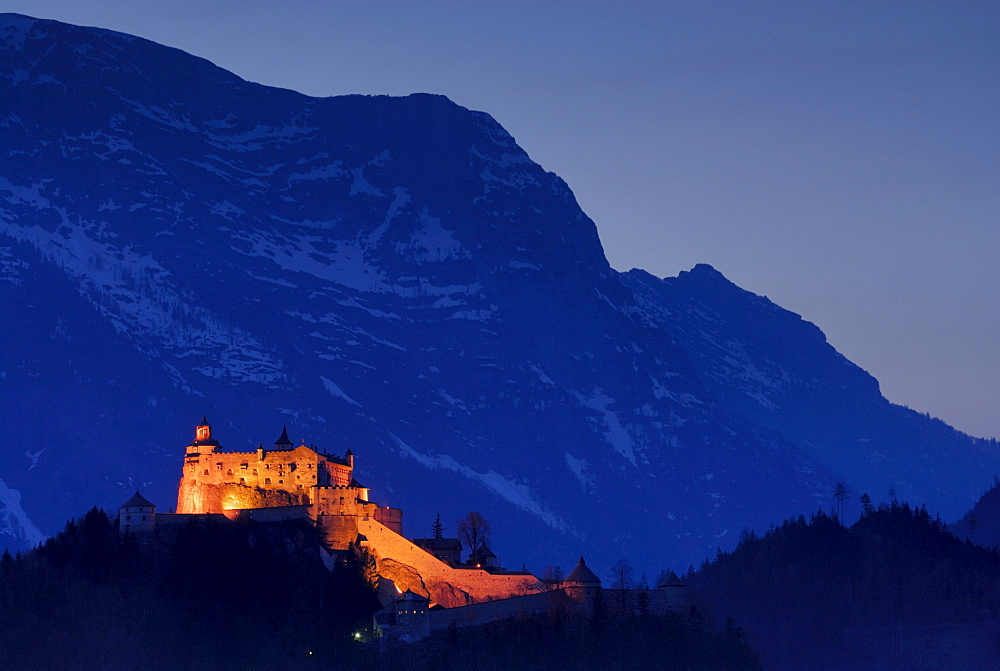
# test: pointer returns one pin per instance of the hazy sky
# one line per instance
(842, 158)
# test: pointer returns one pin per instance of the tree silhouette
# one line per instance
(438, 529)
(840, 493)
(473, 530)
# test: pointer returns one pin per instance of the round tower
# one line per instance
(582, 584)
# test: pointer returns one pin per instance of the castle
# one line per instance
(288, 483)
(215, 481)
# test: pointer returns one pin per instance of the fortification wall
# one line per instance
(411, 567)
(481, 613)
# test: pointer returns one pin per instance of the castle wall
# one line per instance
(216, 481)
(481, 613)
(411, 567)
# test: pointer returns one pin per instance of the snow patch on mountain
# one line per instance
(137, 295)
(614, 433)
(337, 392)
(520, 495)
(13, 520)
(579, 468)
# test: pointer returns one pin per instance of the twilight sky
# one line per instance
(842, 158)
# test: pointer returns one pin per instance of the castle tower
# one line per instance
(137, 515)
(203, 441)
(675, 591)
(283, 442)
(582, 584)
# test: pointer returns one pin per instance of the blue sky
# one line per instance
(842, 158)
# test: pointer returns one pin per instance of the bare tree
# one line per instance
(622, 575)
(623, 582)
(473, 530)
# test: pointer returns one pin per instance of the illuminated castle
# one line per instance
(323, 485)
(287, 482)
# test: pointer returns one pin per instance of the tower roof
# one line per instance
(582, 574)
(204, 420)
(283, 440)
(138, 501)
(669, 580)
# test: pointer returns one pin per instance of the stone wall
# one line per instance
(413, 568)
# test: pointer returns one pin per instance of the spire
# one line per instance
(283, 441)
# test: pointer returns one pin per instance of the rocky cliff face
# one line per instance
(390, 275)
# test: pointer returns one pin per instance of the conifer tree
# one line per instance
(438, 529)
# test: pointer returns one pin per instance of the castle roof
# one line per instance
(138, 501)
(669, 580)
(582, 574)
(482, 552)
(283, 439)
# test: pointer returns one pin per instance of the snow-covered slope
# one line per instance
(393, 275)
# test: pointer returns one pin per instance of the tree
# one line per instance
(840, 493)
(438, 528)
(622, 581)
(866, 504)
(473, 530)
(553, 573)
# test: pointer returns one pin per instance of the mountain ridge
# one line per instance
(393, 275)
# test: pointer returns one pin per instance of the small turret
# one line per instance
(137, 515)
(350, 458)
(283, 442)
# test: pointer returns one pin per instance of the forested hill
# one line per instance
(239, 596)
(894, 590)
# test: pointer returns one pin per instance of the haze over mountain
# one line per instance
(398, 277)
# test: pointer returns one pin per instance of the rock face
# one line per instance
(397, 277)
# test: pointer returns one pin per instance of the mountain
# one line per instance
(778, 371)
(391, 275)
(981, 524)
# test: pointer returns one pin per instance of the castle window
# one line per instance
(206, 471)
(243, 479)
(281, 482)
(218, 467)
(255, 471)
(229, 471)
(243, 466)
(267, 481)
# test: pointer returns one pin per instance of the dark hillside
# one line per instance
(241, 596)
(864, 595)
